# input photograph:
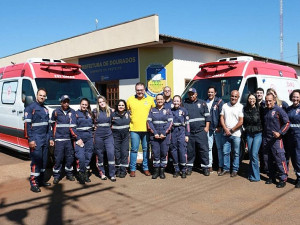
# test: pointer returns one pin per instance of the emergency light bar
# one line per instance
(216, 64)
(74, 67)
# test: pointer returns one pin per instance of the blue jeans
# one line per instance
(218, 138)
(254, 142)
(235, 143)
(136, 138)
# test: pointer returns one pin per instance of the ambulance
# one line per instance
(19, 84)
(244, 74)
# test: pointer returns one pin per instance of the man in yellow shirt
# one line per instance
(139, 106)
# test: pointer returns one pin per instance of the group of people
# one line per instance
(183, 130)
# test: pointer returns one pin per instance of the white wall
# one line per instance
(127, 88)
(186, 63)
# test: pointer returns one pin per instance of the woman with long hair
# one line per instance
(120, 129)
(253, 128)
(82, 133)
(103, 138)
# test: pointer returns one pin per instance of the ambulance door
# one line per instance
(11, 112)
(26, 91)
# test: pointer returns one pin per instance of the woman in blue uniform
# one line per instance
(103, 138)
(159, 124)
(82, 133)
(120, 129)
(179, 137)
(293, 134)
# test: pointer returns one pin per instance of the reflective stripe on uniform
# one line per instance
(165, 162)
(100, 164)
(124, 165)
(170, 119)
(27, 120)
(39, 124)
(62, 139)
(65, 125)
(68, 169)
(295, 125)
(177, 124)
(159, 122)
(103, 125)
(150, 119)
(34, 174)
(196, 119)
(111, 162)
(206, 114)
(55, 171)
(189, 164)
(183, 164)
(119, 127)
(83, 128)
(156, 162)
(43, 170)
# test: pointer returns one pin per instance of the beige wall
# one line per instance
(133, 33)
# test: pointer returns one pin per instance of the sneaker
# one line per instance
(233, 174)
(113, 179)
(103, 177)
(270, 181)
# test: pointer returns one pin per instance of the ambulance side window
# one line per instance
(250, 87)
(27, 89)
(9, 92)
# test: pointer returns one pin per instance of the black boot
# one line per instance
(162, 173)
(155, 173)
(86, 176)
(81, 178)
(297, 185)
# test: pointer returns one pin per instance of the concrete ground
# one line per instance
(141, 200)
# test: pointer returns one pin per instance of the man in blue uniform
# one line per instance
(199, 120)
(38, 132)
(276, 123)
(61, 119)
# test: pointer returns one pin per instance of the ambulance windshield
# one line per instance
(76, 89)
(223, 85)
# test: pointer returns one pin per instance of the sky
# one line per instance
(251, 26)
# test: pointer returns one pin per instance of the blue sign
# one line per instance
(111, 66)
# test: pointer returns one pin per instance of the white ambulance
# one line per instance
(245, 75)
(19, 84)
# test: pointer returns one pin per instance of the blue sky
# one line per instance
(245, 25)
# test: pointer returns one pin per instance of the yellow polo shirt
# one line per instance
(139, 110)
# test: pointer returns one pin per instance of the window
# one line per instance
(186, 82)
(9, 92)
(250, 87)
(27, 89)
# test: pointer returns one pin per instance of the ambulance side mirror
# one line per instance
(28, 100)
